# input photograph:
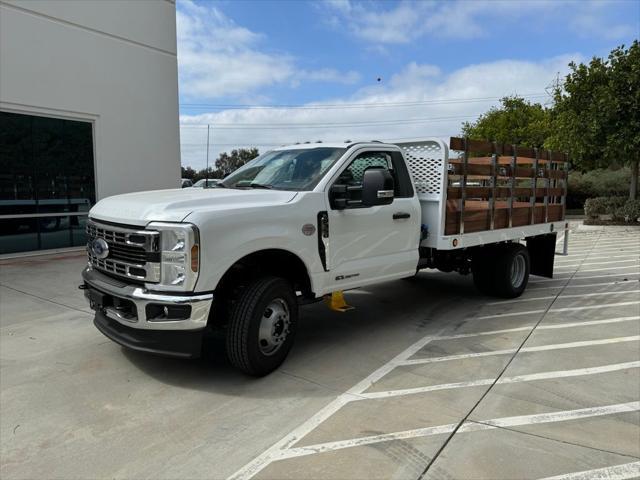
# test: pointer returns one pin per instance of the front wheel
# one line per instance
(262, 324)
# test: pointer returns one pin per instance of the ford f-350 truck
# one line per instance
(304, 222)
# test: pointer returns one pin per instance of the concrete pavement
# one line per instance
(425, 378)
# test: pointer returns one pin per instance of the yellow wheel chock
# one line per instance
(336, 302)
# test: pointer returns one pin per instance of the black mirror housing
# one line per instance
(377, 187)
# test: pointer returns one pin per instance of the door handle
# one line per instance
(400, 215)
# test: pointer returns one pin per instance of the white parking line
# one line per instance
(615, 472)
(619, 282)
(607, 241)
(542, 280)
(579, 264)
(540, 348)
(597, 252)
(579, 372)
(586, 242)
(580, 295)
(603, 245)
(272, 453)
(283, 445)
(636, 267)
(469, 426)
(600, 242)
(540, 327)
(578, 258)
(574, 258)
(555, 310)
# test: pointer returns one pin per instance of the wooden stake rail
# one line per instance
(514, 186)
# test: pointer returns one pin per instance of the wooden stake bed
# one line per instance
(512, 187)
(487, 192)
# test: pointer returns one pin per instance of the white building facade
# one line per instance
(88, 109)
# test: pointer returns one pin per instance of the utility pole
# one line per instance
(206, 175)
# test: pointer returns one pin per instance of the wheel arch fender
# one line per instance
(275, 261)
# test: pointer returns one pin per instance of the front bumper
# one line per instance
(142, 320)
(170, 343)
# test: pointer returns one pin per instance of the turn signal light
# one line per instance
(195, 258)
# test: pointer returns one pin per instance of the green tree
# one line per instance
(515, 121)
(227, 163)
(208, 173)
(596, 117)
(188, 172)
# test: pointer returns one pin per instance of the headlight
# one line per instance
(179, 255)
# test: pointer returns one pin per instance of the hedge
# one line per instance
(602, 182)
(620, 209)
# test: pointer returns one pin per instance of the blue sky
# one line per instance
(439, 63)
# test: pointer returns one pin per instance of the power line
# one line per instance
(268, 126)
(293, 142)
(442, 101)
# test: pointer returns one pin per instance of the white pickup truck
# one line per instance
(168, 268)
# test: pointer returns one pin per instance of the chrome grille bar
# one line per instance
(130, 251)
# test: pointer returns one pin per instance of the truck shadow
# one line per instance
(328, 342)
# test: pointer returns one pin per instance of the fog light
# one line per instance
(158, 313)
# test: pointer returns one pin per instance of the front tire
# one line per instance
(262, 323)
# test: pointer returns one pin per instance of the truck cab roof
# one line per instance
(346, 145)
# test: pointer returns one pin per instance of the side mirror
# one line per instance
(377, 187)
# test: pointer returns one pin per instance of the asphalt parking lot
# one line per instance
(425, 378)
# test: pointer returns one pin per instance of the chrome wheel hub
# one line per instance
(274, 327)
(518, 269)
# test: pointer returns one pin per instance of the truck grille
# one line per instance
(132, 253)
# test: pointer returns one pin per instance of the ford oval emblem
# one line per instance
(100, 248)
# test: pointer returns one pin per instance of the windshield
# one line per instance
(285, 169)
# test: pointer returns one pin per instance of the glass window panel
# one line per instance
(16, 165)
(54, 232)
(46, 166)
(78, 230)
(18, 235)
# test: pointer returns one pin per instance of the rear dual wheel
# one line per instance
(502, 271)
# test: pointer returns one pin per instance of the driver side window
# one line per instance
(352, 175)
(347, 189)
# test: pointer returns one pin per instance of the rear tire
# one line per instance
(511, 273)
(263, 318)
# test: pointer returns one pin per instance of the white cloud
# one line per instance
(441, 102)
(218, 58)
(405, 21)
(590, 20)
(329, 75)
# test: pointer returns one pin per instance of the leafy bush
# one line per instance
(620, 208)
(629, 212)
(602, 182)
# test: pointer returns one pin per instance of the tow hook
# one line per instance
(82, 286)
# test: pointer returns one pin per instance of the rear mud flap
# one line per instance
(542, 250)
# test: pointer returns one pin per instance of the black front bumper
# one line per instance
(172, 343)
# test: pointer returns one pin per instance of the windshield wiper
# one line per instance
(259, 185)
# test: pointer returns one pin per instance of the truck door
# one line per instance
(375, 243)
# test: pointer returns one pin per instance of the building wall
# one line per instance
(109, 62)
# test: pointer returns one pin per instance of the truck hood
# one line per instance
(176, 204)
